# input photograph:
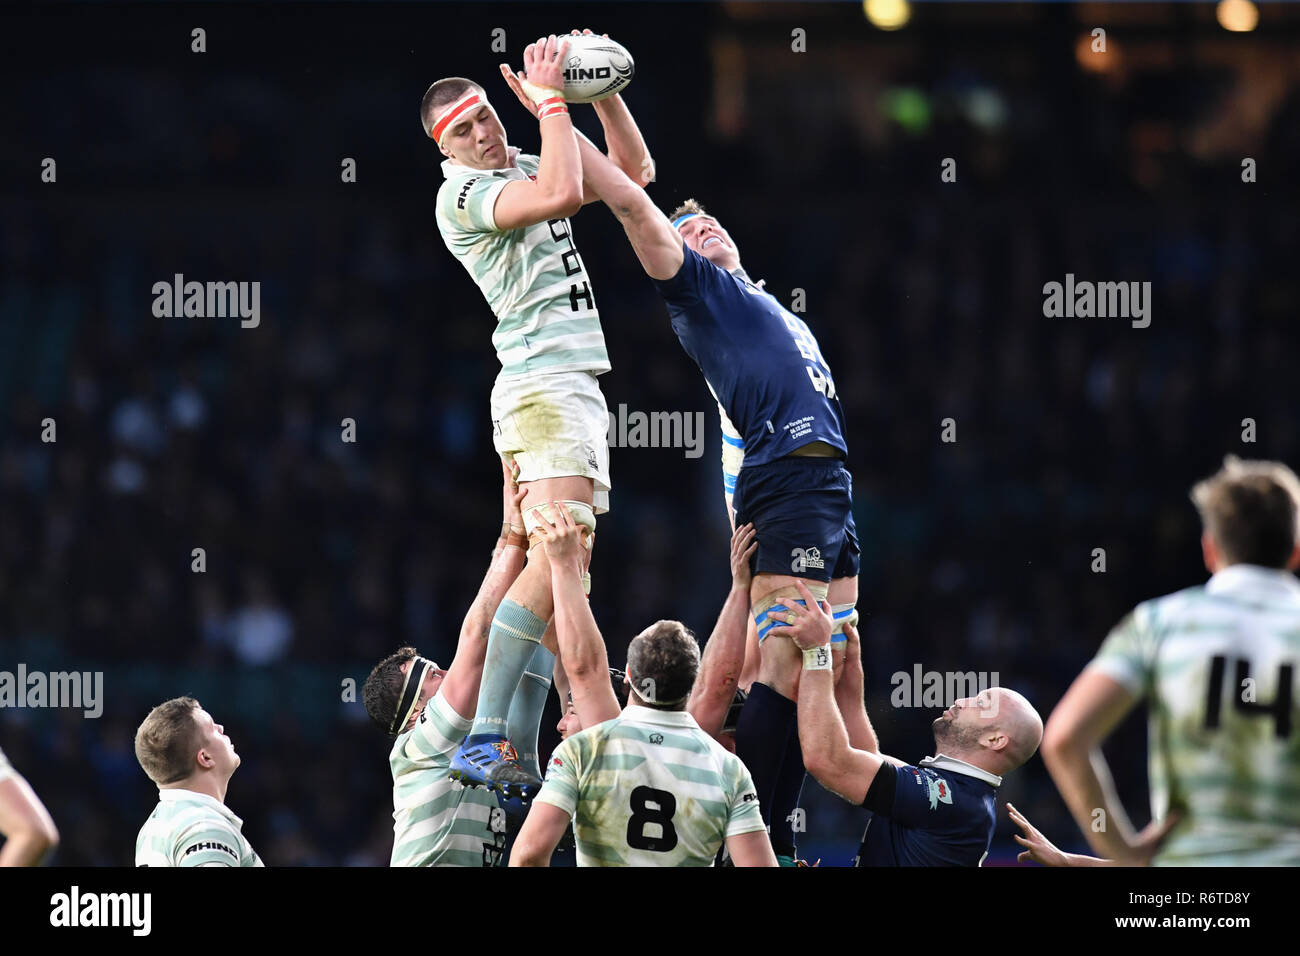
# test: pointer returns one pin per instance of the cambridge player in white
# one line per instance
(646, 786)
(425, 708)
(1218, 666)
(29, 832)
(503, 214)
(188, 755)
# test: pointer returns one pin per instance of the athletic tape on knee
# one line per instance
(766, 604)
(843, 614)
(580, 511)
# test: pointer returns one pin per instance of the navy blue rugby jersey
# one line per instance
(761, 361)
(941, 812)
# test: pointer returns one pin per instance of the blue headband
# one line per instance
(681, 219)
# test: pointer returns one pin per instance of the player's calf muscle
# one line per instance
(532, 589)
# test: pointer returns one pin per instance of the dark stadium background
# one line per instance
(1073, 434)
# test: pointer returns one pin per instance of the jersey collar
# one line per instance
(636, 714)
(1246, 577)
(176, 794)
(454, 170)
(743, 276)
(941, 762)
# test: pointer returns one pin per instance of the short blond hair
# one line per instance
(1251, 509)
(165, 744)
(690, 207)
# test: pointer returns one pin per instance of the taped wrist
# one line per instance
(538, 94)
(817, 658)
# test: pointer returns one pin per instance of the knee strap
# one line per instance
(843, 614)
(763, 605)
(580, 511)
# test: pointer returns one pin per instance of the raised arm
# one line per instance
(654, 240)
(28, 829)
(724, 654)
(557, 193)
(827, 753)
(582, 649)
(460, 686)
(627, 148)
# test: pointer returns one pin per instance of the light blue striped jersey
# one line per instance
(650, 788)
(533, 277)
(436, 821)
(193, 829)
(1217, 665)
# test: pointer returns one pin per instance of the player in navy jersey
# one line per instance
(778, 401)
(940, 811)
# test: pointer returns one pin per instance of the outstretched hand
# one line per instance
(1038, 848)
(810, 624)
(515, 82)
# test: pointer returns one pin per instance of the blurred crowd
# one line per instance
(320, 555)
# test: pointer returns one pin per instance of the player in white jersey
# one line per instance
(188, 755)
(28, 830)
(436, 821)
(646, 786)
(1217, 665)
(503, 214)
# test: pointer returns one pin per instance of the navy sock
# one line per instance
(761, 736)
(786, 822)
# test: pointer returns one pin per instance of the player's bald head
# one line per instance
(998, 730)
(1018, 719)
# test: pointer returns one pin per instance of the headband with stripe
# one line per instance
(677, 223)
(410, 695)
(463, 105)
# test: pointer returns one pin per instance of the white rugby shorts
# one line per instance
(554, 424)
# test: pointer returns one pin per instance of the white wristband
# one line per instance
(817, 658)
(539, 93)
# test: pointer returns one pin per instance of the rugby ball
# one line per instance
(595, 68)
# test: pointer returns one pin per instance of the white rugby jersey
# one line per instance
(533, 277)
(436, 820)
(1217, 665)
(193, 829)
(650, 788)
